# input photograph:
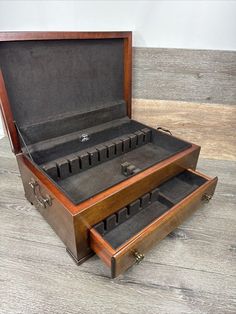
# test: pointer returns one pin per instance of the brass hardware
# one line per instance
(43, 201)
(84, 138)
(206, 197)
(138, 256)
(164, 130)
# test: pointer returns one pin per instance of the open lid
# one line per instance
(50, 82)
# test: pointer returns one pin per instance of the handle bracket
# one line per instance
(43, 201)
(138, 257)
(164, 130)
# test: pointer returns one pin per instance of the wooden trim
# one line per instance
(101, 247)
(19, 36)
(128, 73)
(8, 117)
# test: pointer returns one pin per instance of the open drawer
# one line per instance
(122, 238)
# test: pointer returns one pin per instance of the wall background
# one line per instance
(169, 24)
(166, 24)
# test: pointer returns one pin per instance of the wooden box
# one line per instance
(104, 182)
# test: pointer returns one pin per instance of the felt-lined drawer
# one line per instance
(123, 238)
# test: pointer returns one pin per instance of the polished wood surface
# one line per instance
(8, 117)
(123, 257)
(19, 36)
(57, 214)
(88, 213)
(128, 73)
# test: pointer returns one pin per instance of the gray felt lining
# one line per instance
(50, 79)
(80, 185)
(117, 232)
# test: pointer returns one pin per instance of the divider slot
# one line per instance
(74, 164)
(180, 186)
(110, 150)
(63, 168)
(118, 147)
(125, 144)
(137, 215)
(93, 157)
(83, 160)
(140, 138)
(102, 153)
(122, 215)
(51, 170)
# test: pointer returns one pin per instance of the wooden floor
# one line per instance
(192, 271)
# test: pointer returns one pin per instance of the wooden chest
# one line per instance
(104, 182)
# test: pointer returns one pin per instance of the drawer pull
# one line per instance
(43, 201)
(206, 197)
(138, 256)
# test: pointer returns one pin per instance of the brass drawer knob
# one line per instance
(138, 256)
(206, 197)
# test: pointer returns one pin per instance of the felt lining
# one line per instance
(167, 195)
(47, 79)
(79, 186)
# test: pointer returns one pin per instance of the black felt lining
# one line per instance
(170, 193)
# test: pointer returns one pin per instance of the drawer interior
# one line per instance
(127, 222)
(82, 169)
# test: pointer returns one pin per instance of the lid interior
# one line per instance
(53, 80)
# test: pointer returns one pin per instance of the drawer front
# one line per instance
(133, 250)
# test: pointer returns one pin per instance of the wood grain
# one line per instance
(191, 271)
(207, 76)
(212, 126)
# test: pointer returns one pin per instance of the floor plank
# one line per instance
(211, 126)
